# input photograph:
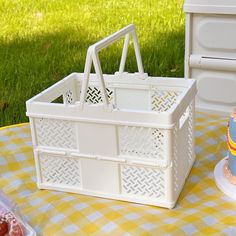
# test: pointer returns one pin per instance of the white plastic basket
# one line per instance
(123, 136)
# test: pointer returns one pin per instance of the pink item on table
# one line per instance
(14, 227)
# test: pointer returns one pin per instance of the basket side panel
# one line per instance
(163, 100)
(142, 142)
(183, 145)
(60, 170)
(55, 133)
(132, 99)
(191, 133)
(94, 95)
(73, 92)
(97, 139)
(100, 176)
(69, 97)
(141, 181)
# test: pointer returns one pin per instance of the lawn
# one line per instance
(41, 41)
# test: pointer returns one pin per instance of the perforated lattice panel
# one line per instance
(183, 147)
(163, 100)
(184, 116)
(60, 170)
(55, 133)
(94, 95)
(142, 181)
(69, 97)
(142, 142)
(175, 160)
(191, 134)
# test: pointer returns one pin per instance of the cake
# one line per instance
(230, 162)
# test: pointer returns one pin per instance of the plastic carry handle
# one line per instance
(92, 57)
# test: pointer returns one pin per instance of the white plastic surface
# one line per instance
(210, 56)
(222, 182)
(225, 87)
(136, 146)
(210, 6)
(213, 35)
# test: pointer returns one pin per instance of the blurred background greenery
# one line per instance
(42, 41)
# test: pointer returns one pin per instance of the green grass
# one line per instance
(41, 41)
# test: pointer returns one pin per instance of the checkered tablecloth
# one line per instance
(201, 208)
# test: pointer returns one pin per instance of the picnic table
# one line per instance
(201, 208)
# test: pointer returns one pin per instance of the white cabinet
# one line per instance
(210, 52)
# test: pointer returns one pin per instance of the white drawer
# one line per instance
(216, 89)
(214, 35)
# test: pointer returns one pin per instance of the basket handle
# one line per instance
(92, 57)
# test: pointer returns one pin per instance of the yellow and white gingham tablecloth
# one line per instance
(202, 208)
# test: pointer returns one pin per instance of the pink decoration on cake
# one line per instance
(228, 174)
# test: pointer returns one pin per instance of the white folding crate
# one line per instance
(123, 136)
